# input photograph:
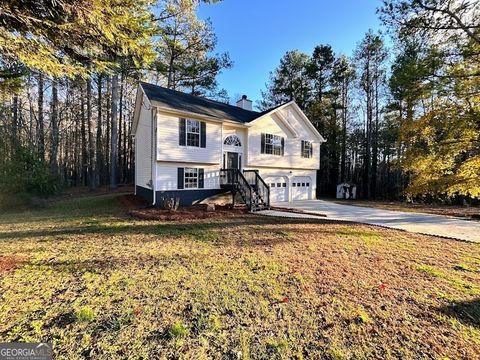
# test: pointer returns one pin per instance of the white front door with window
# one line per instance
(278, 188)
(301, 186)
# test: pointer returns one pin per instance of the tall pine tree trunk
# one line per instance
(83, 132)
(40, 125)
(99, 158)
(91, 145)
(373, 185)
(114, 135)
(368, 91)
(120, 131)
(344, 133)
(14, 140)
(107, 131)
(54, 132)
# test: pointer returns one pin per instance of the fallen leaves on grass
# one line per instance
(98, 284)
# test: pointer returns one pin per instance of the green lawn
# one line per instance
(98, 284)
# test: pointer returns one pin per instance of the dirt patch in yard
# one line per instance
(10, 262)
(133, 202)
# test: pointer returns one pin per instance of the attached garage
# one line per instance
(278, 188)
(301, 187)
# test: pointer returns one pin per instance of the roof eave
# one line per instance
(189, 114)
(141, 97)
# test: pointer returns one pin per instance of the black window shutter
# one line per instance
(200, 178)
(203, 134)
(311, 149)
(303, 149)
(180, 178)
(283, 146)
(262, 151)
(181, 132)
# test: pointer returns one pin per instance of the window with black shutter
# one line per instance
(181, 132)
(203, 134)
(201, 179)
(180, 178)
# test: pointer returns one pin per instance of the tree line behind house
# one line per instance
(401, 114)
(67, 105)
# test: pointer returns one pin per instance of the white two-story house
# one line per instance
(195, 148)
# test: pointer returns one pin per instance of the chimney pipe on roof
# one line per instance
(245, 103)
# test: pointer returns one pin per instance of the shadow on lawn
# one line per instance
(100, 265)
(199, 230)
(467, 312)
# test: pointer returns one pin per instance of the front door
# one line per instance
(232, 160)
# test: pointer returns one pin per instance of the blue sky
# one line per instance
(257, 34)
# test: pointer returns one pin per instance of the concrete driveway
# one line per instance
(438, 225)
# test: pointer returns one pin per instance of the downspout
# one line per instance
(221, 141)
(154, 155)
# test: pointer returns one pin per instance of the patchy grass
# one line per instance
(99, 284)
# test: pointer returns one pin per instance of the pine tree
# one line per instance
(289, 82)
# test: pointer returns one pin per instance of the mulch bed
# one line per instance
(139, 208)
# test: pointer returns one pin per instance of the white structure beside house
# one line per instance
(347, 190)
(182, 143)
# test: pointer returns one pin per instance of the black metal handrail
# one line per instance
(263, 190)
(228, 176)
(247, 184)
(261, 187)
(235, 179)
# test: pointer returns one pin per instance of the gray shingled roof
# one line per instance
(177, 100)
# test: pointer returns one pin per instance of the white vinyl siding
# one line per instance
(167, 175)
(143, 149)
(168, 148)
(292, 158)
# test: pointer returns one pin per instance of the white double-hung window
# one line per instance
(307, 149)
(191, 178)
(272, 144)
(193, 132)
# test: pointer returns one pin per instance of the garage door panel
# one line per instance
(301, 188)
(278, 188)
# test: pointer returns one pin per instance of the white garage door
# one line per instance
(278, 188)
(301, 186)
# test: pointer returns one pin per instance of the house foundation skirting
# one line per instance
(147, 194)
(189, 197)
